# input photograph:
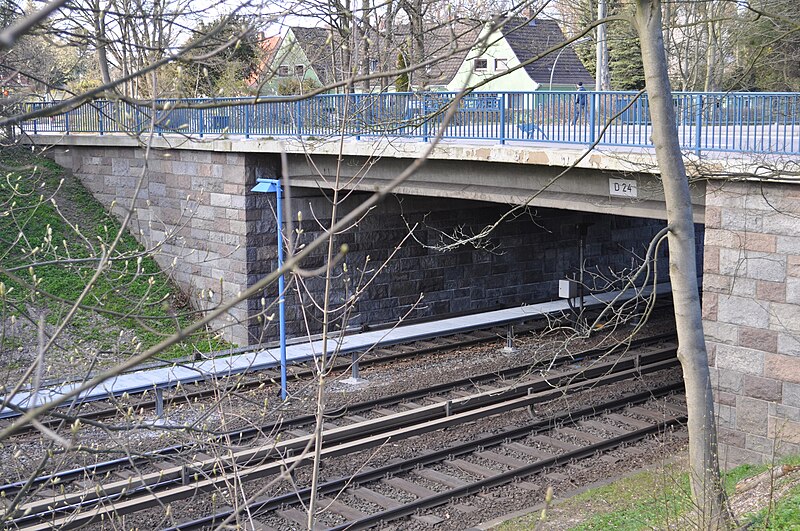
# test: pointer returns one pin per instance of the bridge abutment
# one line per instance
(190, 212)
(751, 309)
(216, 238)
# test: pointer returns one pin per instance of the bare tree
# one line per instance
(700, 43)
(708, 494)
(129, 68)
(766, 42)
(117, 30)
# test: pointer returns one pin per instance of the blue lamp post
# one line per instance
(270, 186)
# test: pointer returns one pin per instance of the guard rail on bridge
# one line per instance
(709, 121)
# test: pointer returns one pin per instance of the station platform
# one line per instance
(184, 373)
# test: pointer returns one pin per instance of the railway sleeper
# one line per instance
(256, 457)
(393, 508)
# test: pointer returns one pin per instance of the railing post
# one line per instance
(202, 122)
(359, 123)
(66, 122)
(100, 118)
(502, 118)
(425, 118)
(299, 119)
(698, 124)
(594, 104)
(247, 121)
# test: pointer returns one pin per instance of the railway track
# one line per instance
(137, 492)
(188, 393)
(659, 346)
(469, 468)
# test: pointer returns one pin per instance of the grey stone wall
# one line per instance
(190, 210)
(394, 255)
(217, 238)
(751, 312)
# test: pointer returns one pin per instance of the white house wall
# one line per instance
(290, 54)
(498, 49)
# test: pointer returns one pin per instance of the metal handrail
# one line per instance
(706, 121)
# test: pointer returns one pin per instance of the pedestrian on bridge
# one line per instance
(580, 102)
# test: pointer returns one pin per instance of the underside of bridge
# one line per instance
(414, 257)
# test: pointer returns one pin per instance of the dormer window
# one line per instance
(283, 70)
(481, 64)
(500, 65)
(299, 70)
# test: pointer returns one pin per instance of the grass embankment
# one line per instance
(660, 499)
(53, 234)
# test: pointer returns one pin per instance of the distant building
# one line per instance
(457, 55)
(269, 47)
(513, 44)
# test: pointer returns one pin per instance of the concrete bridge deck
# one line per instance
(536, 174)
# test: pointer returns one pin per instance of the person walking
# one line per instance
(580, 102)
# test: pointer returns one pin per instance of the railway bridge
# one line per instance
(572, 200)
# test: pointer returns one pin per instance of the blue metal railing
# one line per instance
(733, 122)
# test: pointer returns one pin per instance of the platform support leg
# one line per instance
(159, 403)
(355, 367)
(509, 339)
(355, 374)
(530, 408)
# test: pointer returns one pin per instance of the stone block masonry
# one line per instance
(397, 268)
(188, 210)
(751, 292)
(216, 238)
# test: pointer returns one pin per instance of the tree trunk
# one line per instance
(714, 62)
(708, 496)
(602, 78)
(366, 35)
(416, 23)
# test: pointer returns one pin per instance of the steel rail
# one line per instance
(508, 476)
(356, 431)
(336, 486)
(146, 490)
(339, 363)
(240, 436)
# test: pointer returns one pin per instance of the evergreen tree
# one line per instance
(624, 56)
(226, 72)
(401, 84)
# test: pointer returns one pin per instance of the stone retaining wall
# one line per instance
(190, 210)
(751, 311)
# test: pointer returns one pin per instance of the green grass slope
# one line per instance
(54, 238)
